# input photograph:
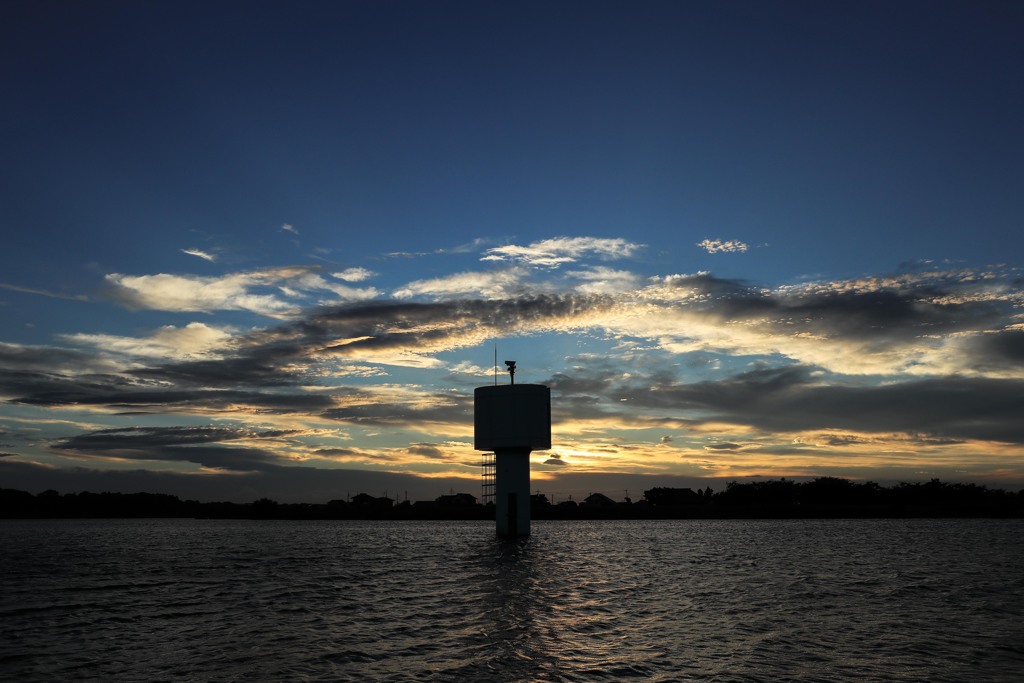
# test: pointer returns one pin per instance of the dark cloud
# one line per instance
(264, 365)
(259, 366)
(378, 326)
(342, 452)
(996, 351)
(176, 400)
(426, 450)
(447, 408)
(793, 399)
(50, 359)
(844, 440)
(130, 392)
(885, 311)
(183, 444)
(166, 436)
(587, 384)
(715, 288)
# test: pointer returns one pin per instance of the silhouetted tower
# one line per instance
(512, 420)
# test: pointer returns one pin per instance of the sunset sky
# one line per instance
(269, 249)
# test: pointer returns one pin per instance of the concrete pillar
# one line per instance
(512, 491)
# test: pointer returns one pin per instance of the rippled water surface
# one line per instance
(835, 600)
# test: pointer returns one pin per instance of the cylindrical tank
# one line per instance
(512, 420)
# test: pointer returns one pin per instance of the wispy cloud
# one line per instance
(277, 293)
(194, 340)
(552, 253)
(722, 246)
(193, 293)
(201, 254)
(311, 281)
(288, 227)
(357, 274)
(469, 247)
(493, 284)
(604, 280)
(43, 292)
(466, 367)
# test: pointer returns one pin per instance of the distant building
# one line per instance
(456, 500)
(365, 500)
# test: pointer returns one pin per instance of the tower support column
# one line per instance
(512, 495)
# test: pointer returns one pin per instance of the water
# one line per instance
(830, 600)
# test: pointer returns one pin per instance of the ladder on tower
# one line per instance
(487, 478)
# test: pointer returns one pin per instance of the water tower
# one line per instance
(511, 420)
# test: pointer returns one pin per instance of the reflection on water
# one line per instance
(876, 600)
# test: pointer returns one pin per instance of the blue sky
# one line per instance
(268, 249)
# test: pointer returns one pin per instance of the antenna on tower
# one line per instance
(511, 370)
(495, 365)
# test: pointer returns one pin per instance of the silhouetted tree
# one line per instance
(265, 508)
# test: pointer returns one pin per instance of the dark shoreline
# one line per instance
(823, 498)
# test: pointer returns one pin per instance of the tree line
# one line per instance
(782, 498)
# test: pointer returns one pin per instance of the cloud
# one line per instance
(948, 346)
(200, 294)
(277, 293)
(395, 406)
(604, 280)
(20, 362)
(149, 437)
(497, 284)
(920, 324)
(381, 329)
(183, 444)
(722, 246)
(201, 254)
(43, 292)
(194, 340)
(794, 399)
(426, 450)
(552, 253)
(467, 247)
(312, 282)
(723, 446)
(290, 228)
(200, 369)
(466, 367)
(357, 274)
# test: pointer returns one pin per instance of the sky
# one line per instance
(269, 249)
